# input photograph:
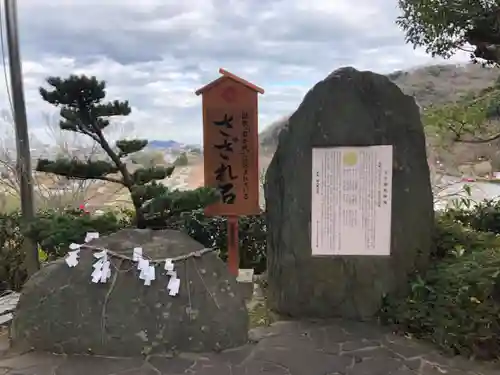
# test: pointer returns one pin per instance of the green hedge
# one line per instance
(55, 231)
(456, 302)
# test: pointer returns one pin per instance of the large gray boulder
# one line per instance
(348, 108)
(62, 311)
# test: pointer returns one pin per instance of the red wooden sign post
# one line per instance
(231, 152)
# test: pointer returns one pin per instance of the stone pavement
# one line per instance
(286, 348)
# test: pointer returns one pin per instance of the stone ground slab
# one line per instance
(285, 348)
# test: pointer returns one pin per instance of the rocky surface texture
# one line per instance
(60, 310)
(348, 108)
(286, 348)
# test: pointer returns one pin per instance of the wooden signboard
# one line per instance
(231, 151)
(231, 144)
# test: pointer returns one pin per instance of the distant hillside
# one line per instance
(269, 136)
(436, 84)
(165, 144)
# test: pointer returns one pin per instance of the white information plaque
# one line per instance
(351, 201)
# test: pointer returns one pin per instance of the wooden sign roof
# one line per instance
(228, 75)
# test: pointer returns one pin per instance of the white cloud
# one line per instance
(156, 53)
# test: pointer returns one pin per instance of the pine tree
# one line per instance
(83, 110)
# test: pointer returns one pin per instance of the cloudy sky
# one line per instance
(156, 53)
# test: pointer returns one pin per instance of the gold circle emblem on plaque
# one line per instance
(350, 158)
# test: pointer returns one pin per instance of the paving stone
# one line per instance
(369, 331)
(288, 348)
(376, 366)
(145, 369)
(430, 369)
(172, 365)
(262, 367)
(413, 364)
(358, 345)
(29, 360)
(235, 357)
(209, 367)
(305, 362)
(403, 372)
(84, 365)
(406, 347)
(374, 352)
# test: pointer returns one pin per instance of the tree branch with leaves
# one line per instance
(83, 110)
(473, 119)
(447, 26)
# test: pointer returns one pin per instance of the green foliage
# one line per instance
(453, 237)
(128, 147)
(143, 176)
(12, 270)
(445, 26)
(455, 305)
(170, 207)
(80, 99)
(212, 232)
(483, 218)
(55, 231)
(74, 168)
(82, 110)
(456, 302)
(467, 120)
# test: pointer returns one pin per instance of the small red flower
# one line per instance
(83, 207)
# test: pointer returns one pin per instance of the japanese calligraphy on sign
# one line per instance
(230, 146)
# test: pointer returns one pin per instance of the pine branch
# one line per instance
(127, 147)
(177, 201)
(144, 175)
(78, 169)
(120, 165)
(127, 177)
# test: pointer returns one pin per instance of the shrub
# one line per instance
(212, 232)
(54, 231)
(12, 270)
(456, 305)
(484, 217)
(456, 302)
(452, 237)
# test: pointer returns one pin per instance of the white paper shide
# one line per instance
(351, 201)
(101, 269)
